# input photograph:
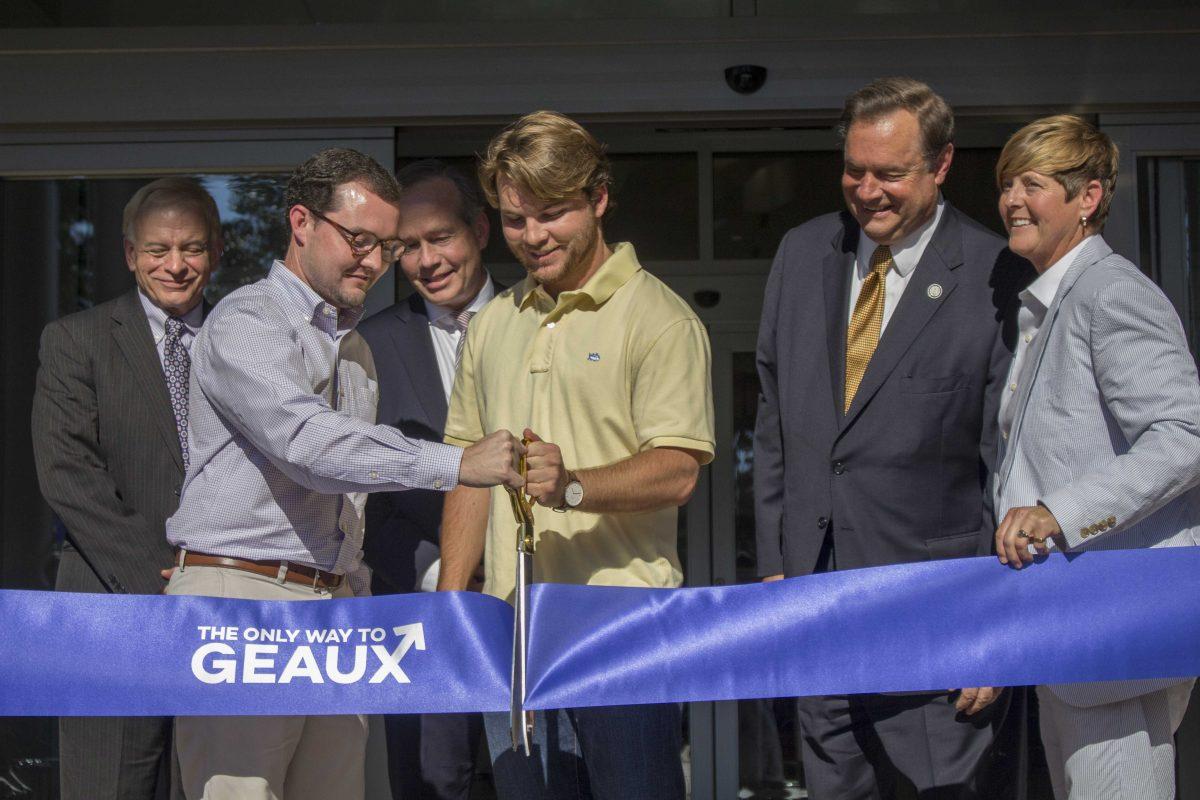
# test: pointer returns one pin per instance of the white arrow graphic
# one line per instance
(389, 663)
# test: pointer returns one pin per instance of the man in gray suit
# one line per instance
(110, 442)
(1100, 439)
(880, 356)
(416, 344)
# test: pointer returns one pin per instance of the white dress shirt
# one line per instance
(445, 333)
(192, 321)
(1035, 302)
(905, 255)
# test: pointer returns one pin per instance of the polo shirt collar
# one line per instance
(614, 273)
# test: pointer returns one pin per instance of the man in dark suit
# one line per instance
(416, 345)
(110, 441)
(881, 357)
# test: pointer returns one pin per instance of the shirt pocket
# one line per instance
(359, 399)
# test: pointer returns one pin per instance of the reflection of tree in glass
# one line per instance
(254, 228)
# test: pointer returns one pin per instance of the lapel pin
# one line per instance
(934, 291)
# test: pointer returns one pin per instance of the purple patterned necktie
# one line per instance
(177, 366)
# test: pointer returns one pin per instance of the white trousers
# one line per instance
(266, 758)
(1116, 750)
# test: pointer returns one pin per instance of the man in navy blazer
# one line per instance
(881, 355)
(415, 344)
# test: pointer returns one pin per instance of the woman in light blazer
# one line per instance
(1100, 439)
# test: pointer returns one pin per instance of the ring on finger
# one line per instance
(1023, 535)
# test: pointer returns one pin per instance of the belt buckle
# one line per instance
(281, 575)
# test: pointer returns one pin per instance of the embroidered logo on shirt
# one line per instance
(593, 356)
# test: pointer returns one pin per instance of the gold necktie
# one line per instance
(866, 322)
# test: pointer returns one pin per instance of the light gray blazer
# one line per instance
(1106, 431)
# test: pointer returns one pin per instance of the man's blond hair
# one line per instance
(1069, 149)
(547, 154)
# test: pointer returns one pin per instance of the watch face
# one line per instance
(574, 493)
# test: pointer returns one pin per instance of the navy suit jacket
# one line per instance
(402, 528)
(904, 476)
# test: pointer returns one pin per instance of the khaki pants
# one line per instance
(266, 758)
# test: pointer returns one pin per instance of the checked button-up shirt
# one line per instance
(283, 440)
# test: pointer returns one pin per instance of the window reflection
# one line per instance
(758, 197)
(253, 225)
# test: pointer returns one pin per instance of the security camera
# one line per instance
(746, 78)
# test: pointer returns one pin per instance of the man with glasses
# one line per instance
(109, 438)
(283, 450)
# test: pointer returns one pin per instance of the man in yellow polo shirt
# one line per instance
(608, 373)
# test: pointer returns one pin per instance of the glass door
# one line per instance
(758, 740)
(61, 202)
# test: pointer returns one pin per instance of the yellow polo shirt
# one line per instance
(617, 367)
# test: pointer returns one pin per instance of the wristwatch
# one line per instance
(573, 495)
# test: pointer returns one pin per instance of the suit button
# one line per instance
(822, 522)
(839, 468)
(437, 483)
(374, 475)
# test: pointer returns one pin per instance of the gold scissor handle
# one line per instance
(522, 508)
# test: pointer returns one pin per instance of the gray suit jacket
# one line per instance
(107, 451)
(1106, 431)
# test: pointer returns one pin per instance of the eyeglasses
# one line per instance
(362, 243)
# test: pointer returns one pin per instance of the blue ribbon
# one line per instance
(89, 654)
(1092, 617)
(931, 626)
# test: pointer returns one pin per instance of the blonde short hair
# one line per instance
(547, 154)
(1069, 149)
(177, 193)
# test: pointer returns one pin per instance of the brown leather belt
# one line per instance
(290, 573)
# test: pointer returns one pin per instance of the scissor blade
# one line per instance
(520, 724)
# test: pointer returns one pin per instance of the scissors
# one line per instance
(520, 720)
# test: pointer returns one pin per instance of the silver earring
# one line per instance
(1083, 221)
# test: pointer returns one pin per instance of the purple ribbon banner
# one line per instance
(1099, 616)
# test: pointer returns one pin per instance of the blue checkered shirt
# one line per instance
(282, 434)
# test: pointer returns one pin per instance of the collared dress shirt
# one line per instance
(905, 255)
(192, 321)
(1035, 302)
(283, 440)
(445, 333)
(617, 367)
